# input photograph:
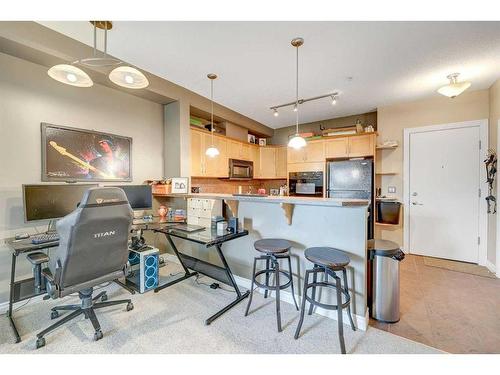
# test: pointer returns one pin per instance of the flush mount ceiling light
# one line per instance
(70, 75)
(125, 76)
(212, 151)
(454, 88)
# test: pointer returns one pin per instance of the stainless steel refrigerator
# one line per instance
(352, 179)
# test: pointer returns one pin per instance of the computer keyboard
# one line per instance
(44, 238)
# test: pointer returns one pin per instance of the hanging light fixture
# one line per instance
(124, 75)
(297, 141)
(70, 75)
(212, 151)
(334, 100)
(454, 88)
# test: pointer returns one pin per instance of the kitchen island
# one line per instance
(306, 222)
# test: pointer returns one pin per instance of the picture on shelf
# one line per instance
(179, 185)
(71, 154)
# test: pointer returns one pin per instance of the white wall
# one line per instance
(27, 98)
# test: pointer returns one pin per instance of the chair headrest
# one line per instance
(103, 196)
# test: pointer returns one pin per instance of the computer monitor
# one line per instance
(51, 201)
(140, 197)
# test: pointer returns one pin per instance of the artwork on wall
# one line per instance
(70, 154)
(179, 185)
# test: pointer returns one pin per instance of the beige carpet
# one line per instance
(172, 321)
(456, 266)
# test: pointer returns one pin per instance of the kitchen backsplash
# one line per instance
(215, 185)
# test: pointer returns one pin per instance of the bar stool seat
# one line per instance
(327, 257)
(272, 245)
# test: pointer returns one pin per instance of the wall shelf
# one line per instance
(386, 147)
(386, 224)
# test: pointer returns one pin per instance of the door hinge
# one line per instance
(479, 240)
(479, 193)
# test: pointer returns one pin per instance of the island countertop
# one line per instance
(333, 202)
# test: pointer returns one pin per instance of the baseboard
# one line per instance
(360, 321)
(490, 266)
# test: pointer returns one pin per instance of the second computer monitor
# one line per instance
(140, 197)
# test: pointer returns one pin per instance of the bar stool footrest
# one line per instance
(324, 305)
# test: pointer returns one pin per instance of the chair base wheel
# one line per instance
(54, 314)
(130, 306)
(98, 335)
(40, 342)
(104, 298)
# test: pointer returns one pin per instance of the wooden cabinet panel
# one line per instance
(295, 156)
(218, 165)
(361, 145)
(245, 151)
(336, 148)
(314, 151)
(281, 162)
(307, 167)
(267, 162)
(233, 149)
(255, 157)
(197, 153)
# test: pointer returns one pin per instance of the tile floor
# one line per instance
(451, 311)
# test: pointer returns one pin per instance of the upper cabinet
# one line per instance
(238, 150)
(353, 146)
(314, 151)
(205, 166)
(281, 162)
(267, 162)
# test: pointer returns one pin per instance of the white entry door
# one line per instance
(444, 200)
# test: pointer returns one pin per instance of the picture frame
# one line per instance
(262, 141)
(180, 185)
(74, 154)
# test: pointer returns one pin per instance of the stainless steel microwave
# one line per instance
(240, 169)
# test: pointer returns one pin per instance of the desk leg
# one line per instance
(187, 273)
(240, 297)
(11, 298)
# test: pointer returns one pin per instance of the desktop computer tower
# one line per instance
(144, 265)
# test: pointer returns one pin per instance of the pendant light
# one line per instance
(124, 75)
(212, 151)
(454, 88)
(297, 142)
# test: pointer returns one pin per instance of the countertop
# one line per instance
(333, 202)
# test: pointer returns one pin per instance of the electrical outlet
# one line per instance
(391, 189)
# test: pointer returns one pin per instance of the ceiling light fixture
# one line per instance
(70, 75)
(212, 151)
(454, 88)
(334, 100)
(124, 75)
(297, 142)
(276, 113)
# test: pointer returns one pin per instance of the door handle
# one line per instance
(417, 204)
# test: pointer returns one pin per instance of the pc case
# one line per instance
(144, 264)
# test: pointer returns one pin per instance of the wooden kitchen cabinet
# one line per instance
(267, 162)
(363, 145)
(233, 149)
(217, 166)
(314, 151)
(245, 151)
(337, 148)
(281, 162)
(255, 158)
(197, 153)
(296, 156)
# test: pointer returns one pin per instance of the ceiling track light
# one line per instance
(454, 88)
(276, 113)
(123, 75)
(333, 95)
(212, 151)
(334, 99)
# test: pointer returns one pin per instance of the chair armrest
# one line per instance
(50, 280)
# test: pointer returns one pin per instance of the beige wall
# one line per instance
(281, 135)
(393, 119)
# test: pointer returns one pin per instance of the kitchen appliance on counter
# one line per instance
(240, 169)
(306, 184)
(352, 179)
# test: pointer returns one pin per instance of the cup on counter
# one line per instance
(261, 191)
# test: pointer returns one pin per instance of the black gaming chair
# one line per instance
(92, 250)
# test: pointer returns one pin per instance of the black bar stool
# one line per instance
(328, 261)
(273, 250)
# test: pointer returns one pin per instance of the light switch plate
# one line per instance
(391, 189)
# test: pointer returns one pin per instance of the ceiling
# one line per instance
(389, 62)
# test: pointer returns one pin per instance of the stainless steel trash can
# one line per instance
(384, 287)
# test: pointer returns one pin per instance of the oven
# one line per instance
(306, 184)
(240, 169)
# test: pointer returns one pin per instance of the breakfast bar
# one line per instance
(305, 222)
